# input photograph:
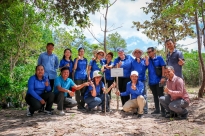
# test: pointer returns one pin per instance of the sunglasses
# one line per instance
(138, 52)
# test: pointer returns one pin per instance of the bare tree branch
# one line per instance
(94, 36)
(112, 3)
(114, 29)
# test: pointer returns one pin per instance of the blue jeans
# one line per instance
(178, 106)
(92, 102)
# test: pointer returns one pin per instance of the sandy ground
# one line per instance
(78, 123)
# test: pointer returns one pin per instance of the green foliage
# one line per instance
(191, 69)
(115, 41)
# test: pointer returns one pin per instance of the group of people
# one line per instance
(87, 82)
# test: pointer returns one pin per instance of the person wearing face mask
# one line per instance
(39, 92)
(140, 64)
(177, 98)
(174, 57)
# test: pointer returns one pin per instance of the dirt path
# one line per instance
(77, 123)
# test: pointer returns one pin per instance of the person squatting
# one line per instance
(91, 82)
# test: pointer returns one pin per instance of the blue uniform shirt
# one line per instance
(108, 71)
(36, 87)
(140, 68)
(90, 88)
(158, 62)
(134, 93)
(126, 65)
(66, 84)
(95, 66)
(64, 62)
(172, 60)
(80, 72)
(50, 63)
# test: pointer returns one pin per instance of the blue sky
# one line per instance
(123, 13)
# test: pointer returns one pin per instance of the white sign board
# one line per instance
(117, 72)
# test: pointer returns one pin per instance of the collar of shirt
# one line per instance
(48, 54)
(63, 79)
(126, 57)
(174, 78)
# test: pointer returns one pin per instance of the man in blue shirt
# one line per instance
(62, 85)
(50, 63)
(175, 57)
(156, 81)
(140, 64)
(136, 89)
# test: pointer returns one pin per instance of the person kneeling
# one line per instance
(177, 98)
(136, 89)
(61, 90)
(95, 94)
(39, 92)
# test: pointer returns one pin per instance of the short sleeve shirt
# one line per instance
(108, 71)
(158, 62)
(81, 70)
(172, 60)
(66, 84)
(140, 68)
(95, 66)
(64, 62)
(90, 88)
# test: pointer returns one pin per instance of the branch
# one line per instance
(94, 36)
(100, 25)
(112, 3)
(114, 29)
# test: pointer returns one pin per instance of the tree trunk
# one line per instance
(201, 90)
(105, 31)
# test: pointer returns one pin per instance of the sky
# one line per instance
(123, 13)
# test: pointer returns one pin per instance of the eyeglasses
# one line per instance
(149, 52)
(138, 52)
(101, 54)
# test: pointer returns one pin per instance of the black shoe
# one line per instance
(107, 110)
(156, 112)
(48, 112)
(81, 108)
(139, 116)
(122, 111)
(168, 115)
(183, 116)
(145, 112)
(135, 113)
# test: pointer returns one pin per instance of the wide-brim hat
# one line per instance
(102, 52)
(97, 73)
(133, 53)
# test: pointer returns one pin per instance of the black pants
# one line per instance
(79, 94)
(157, 93)
(109, 83)
(36, 104)
(122, 83)
(51, 83)
(64, 102)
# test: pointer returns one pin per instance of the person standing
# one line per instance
(174, 57)
(140, 64)
(50, 63)
(155, 80)
(96, 64)
(107, 69)
(177, 98)
(123, 61)
(67, 61)
(80, 76)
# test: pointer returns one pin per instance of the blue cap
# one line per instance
(120, 50)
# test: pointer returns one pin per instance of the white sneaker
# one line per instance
(28, 114)
(60, 112)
